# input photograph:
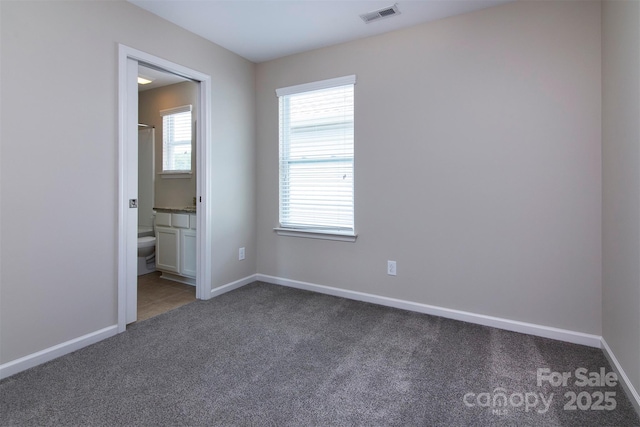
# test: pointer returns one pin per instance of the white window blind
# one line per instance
(176, 139)
(317, 156)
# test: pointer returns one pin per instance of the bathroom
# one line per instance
(163, 194)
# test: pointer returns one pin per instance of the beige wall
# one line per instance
(59, 162)
(478, 165)
(169, 192)
(621, 183)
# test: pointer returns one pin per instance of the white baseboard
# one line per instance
(29, 361)
(480, 319)
(40, 357)
(35, 359)
(628, 387)
(233, 285)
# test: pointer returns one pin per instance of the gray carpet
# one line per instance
(266, 355)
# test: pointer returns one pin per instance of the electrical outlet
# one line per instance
(391, 268)
(240, 254)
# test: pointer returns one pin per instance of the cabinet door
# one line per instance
(188, 254)
(168, 249)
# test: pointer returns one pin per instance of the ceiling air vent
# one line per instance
(381, 14)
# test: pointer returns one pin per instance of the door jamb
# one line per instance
(203, 175)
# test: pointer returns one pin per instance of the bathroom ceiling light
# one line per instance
(144, 80)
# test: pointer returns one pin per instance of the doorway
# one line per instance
(129, 62)
(165, 143)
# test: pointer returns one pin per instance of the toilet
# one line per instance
(146, 255)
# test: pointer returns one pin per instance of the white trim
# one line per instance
(480, 319)
(627, 385)
(176, 110)
(175, 174)
(317, 234)
(203, 177)
(204, 237)
(122, 207)
(127, 262)
(40, 357)
(322, 84)
(43, 356)
(233, 285)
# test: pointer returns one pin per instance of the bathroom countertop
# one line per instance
(184, 209)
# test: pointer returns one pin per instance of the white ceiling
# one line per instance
(261, 30)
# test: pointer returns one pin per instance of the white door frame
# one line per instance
(128, 59)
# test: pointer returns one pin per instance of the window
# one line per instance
(176, 139)
(316, 159)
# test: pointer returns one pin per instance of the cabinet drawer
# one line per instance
(192, 222)
(180, 220)
(163, 219)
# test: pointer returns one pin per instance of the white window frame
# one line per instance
(176, 173)
(347, 234)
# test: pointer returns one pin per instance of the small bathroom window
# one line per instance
(176, 139)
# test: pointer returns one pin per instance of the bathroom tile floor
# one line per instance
(156, 295)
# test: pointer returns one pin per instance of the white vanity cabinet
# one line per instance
(168, 249)
(188, 252)
(176, 246)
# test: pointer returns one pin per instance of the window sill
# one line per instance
(317, 234)
(173, 175)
